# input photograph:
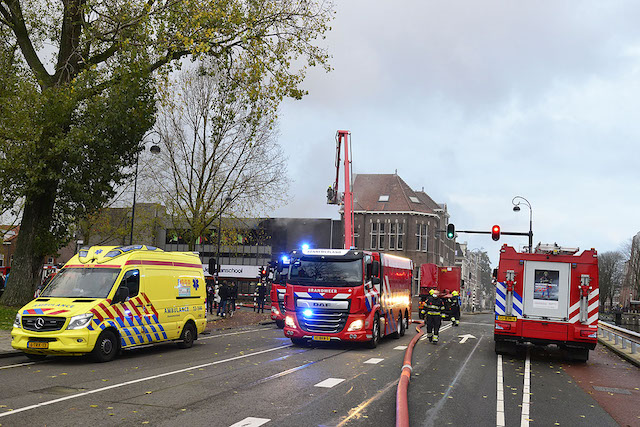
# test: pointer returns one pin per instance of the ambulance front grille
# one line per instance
(46, 324)
(323, 322)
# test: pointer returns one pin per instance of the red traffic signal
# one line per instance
(495, 232)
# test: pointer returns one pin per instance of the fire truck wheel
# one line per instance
(375, 332)
(280, 323)
(402, 325)
(505, 347)
(406, 320)
(580, 355)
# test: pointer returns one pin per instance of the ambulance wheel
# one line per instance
(375, 332)
(280, 323)
(106, 347)
(188, 336)
(35, 357)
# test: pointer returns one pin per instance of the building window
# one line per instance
(392, 235)
(374, 235)
(1, 260)
(381, 236)
(400, 240)
(425, 234)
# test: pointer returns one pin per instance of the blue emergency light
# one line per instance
(307, 313)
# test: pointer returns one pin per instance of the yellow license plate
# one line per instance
(35, 344)
(321, 338)
(508, 318)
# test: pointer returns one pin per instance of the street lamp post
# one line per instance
(228, 200)
(155, 149)
(516, 208)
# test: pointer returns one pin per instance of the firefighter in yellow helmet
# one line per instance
(435, 306)
(454, 303)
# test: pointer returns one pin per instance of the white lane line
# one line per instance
(139, 380)
(329, 382)
(374, 360)
(441, 330)
(500, 396)
(232, 333)
(18, 365)
(400, 347)
(526, 392)
(251, 422)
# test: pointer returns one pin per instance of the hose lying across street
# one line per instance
(402, 405)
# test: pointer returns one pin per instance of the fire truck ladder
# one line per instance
(346, 199)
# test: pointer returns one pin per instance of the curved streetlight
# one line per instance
(155, 149)
(516, 208)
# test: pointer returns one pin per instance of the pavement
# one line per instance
(243, 316)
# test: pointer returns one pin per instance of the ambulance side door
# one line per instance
(159, 286)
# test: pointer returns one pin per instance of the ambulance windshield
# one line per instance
(326, 272)
(82, 283)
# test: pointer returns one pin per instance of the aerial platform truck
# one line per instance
(346, 294)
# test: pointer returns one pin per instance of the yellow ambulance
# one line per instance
(108, 298)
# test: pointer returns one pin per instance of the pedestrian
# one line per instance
(216, 295)
(261, 293)
(223, 292)
(455, 308)
(435, 307)
(422, 307)
(233, 295)
(210, 296)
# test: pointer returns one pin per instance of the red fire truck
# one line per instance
(547, 297)
(278, 288)
(440, 278)
(347, 295)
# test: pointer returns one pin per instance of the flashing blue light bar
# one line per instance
(307, 313)
(305, 246)
(285, 259)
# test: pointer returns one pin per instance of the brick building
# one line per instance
(389, 216)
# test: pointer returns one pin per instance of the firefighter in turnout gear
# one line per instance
(454, 303)
(422, 307)
(435, 308)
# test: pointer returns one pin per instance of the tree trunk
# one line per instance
(29, 256)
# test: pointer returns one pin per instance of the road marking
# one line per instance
(139, 380)
(441, 330)
(500, 396)
(526, 392)
(465, 338)
(432, 414)
(251, 422)
(18, 365)
(478, 324)
(374, 360)
(400, 347)
(232, 333)
(329, 382)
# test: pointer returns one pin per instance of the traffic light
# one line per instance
(451, 231)
(495, 232)
(263, 272)
(212, 266)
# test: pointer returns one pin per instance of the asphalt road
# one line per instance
(255, 377)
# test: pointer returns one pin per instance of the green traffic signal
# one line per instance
(451, 231)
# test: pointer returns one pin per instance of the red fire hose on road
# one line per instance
(402, 405)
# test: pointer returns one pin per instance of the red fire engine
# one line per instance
(547, 297)
(347, 295)
(440, 278)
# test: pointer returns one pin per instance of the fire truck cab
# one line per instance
(547, 297)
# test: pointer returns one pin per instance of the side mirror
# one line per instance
(375, 268)
(121, 295)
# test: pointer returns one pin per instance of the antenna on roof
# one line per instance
(396, 172)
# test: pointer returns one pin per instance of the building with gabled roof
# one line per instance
(389, 216)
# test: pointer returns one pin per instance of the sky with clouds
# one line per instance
(477, 102)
